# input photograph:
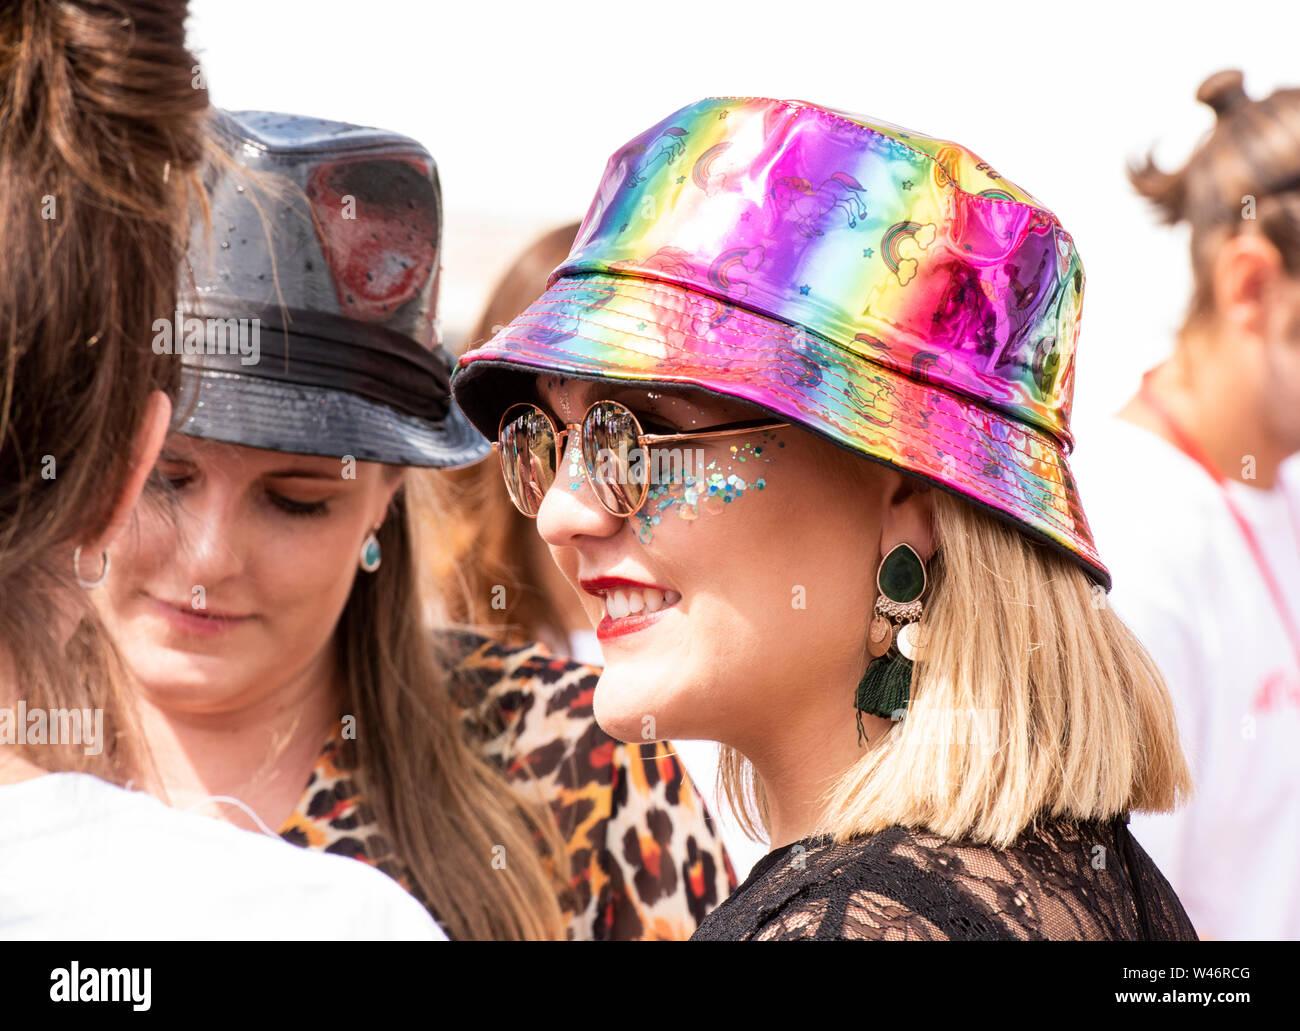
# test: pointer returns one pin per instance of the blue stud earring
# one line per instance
(370, 553)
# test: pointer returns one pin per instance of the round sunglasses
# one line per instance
(621, 460)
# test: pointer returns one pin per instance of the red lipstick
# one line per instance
(600, 584)
(610, 627)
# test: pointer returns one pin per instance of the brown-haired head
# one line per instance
(498, 545)
(101, 134)
(1245, 172)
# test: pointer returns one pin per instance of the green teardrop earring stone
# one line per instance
(370, 555)
(902, 576)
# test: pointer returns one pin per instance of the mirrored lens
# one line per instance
(527, 440)
(614, 458)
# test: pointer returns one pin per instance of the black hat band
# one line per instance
(335, 353)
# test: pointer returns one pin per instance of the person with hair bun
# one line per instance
(101, 138)
(1193, 500)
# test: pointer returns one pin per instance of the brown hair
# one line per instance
(101, 136)
(443, 807)
(1245, 172)
(493, 531)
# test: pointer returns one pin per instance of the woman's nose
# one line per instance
(570, 508)
(208, 533)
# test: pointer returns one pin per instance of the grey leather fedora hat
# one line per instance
(310, 325)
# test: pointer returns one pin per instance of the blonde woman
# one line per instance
(271, 607)
(496, 547)
(794, 414)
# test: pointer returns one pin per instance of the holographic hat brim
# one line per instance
(640, 330)
(308, 420)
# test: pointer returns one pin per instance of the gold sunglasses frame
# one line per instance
(642, 440)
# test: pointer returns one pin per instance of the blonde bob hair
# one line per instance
(1031, 699)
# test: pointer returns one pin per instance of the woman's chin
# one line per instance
(186, 682)
(628, 708)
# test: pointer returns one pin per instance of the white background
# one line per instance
(521, 104)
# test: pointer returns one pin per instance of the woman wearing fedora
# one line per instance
(270, 603)
(794, 416)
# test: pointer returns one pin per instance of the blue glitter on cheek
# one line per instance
(710, 493)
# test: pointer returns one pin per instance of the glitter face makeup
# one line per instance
(686, 495)
(695, 613)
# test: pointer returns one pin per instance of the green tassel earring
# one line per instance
(886, 686)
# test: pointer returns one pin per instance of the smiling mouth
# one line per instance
(632, 601)
(628, 607)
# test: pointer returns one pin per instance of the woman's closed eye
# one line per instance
(294, 507)
(172, 475)
(305, 495)
(179, 476)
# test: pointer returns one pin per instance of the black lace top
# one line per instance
(1061, 880)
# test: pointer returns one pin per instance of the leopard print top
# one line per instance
(645, 859)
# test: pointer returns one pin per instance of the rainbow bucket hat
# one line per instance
(885, 290)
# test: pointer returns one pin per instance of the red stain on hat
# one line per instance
(380, 243)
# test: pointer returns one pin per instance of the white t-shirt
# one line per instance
(83, 860)
(700, 760)
(1185, 581)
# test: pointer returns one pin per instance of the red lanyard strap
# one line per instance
(1196, 453)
